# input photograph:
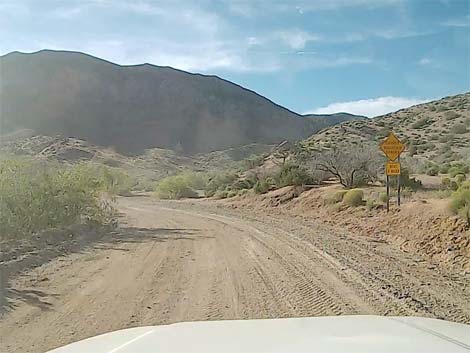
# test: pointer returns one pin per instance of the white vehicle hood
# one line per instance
(340, 334)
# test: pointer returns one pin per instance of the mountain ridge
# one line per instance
(166, 67)
(240, 115)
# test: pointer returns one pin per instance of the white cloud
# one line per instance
(197, 57)
(68, 12)
(253, 41)
(187, 36)
(369, 107)
(424, 61)
(251, 8)
(14, 7)
(137, 7)
(457, 22)
(325, 62)
(295, 38)
(300, 10)
(239, 8)
(398, 34)
(144, 8)
(322, 5)
(207, 59)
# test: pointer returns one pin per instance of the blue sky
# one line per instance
(362, 56)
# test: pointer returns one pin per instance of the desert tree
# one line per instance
(351, 165)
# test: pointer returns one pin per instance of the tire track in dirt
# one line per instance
(392, 282)
(304, 293)
(388, 280)
(173, 262)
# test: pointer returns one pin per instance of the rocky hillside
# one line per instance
(154, 164)
(133, 108)
(438, 131)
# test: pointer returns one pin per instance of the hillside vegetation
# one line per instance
(155, 164)
(37, 196)
(435, 132)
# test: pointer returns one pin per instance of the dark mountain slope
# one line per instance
(132, 108)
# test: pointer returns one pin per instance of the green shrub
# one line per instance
(226, 181)
(465, 185)
(252, 162)
(442, 108)
(116, 181)
(458, 168)
(445, 149)
(459, 129)
(384, 132)
(432, 170)
(336, 207)
(221, 194)
(219, 182)
(336, 197)
(292, 174)
(453, 185)
(460, 202)
(232, 193)
(450, 115)
(383, 197)
(420, 123)
(339, 195)
(353, 197)
(371, 204)
(444, 138)
(444, 168)
(113, 181)
(144, 184)
(263, 186)
(430, 146)
(242, 184)
(445, 182)
(460, 178)
(36, 196)
(443, 194)
(195, 180)
(242, 192)
(174, 187)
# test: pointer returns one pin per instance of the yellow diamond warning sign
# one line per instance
(392, 168)
(392, 147)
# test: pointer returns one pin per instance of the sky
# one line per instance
(365, 57)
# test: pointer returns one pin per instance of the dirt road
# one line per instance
(173, 262)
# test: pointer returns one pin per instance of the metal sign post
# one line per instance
(399, 186)
(388, 193)
(392, 147)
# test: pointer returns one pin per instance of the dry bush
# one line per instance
(354, 197)
(353, 166)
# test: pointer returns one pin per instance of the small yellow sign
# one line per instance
(392, 168)
(392, 147)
